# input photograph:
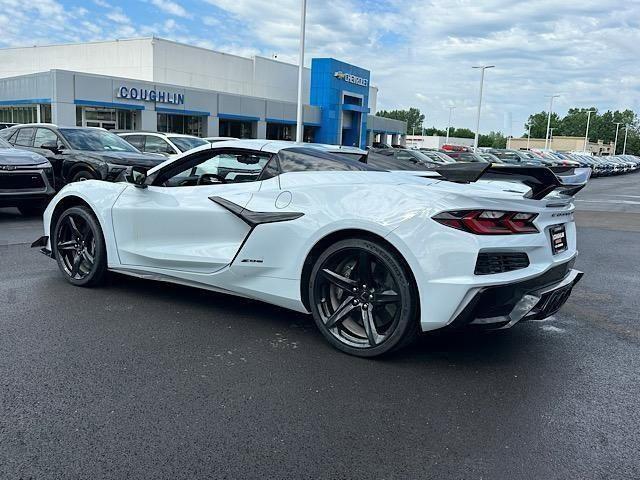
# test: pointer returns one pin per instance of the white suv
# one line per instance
(167, 144)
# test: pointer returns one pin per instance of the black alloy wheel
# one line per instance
(79, 247)
(82, 175)
(362, 298)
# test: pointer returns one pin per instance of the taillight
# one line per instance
(489, 222)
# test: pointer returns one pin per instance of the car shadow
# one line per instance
(461, 346)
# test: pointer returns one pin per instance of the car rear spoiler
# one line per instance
(541, 180)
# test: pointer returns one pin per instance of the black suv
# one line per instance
(26, 180)
(79, 153)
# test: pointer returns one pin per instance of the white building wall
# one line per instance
(123, 58)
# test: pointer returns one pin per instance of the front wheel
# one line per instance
(363, 299)
(79, 248)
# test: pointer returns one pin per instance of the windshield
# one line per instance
(4, 143)
(187, 143)
(95, 140)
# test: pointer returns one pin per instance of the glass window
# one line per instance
(154, 144)
(280, 131)
(236, 167)
(44, 135)
(95, 140)
(25, 137)
(136, 140)
(187, 143)
(184, 124)
(236, 128)
(301, 159)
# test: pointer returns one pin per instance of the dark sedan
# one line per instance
(79, 153)
(26, 180)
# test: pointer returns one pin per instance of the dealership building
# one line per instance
(159, 85)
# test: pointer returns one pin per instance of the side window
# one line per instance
(226, 167)
(157, 145)
(135, 140)
(44, 135)
(25, 137)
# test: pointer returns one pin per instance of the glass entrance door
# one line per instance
(99, 117)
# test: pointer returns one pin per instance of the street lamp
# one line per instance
(615, 142)
(528, 135)
(482, 69)
(546, 138)
(299, 120)
(626, 131)
(586, 134)
(451, 109)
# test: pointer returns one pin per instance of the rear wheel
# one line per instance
(79, 248)
(82, 175)
(363, 299)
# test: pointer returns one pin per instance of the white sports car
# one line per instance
(375, 256)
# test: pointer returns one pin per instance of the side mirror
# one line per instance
(137, 176)
(51, 146)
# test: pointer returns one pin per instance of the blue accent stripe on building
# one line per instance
(280, 120)
(25, 101)
(243, 118)
(291, 122)
(355, 108)
(182, 112)
(92, 103)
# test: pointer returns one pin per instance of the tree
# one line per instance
(538, 122)
(493, 140)
(412, 116)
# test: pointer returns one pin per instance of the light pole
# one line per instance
(546, 138)
(615, 142)
(529, 136)
(551, 137)
(482, 69)
(626, 131)
(586, 134)
(451, 109)
(299, 120)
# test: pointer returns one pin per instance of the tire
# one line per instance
(79, 248)
(356, 280)
(82, 175)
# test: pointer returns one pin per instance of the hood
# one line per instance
(128, 159)
(17, 158)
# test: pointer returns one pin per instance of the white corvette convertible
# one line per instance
(375, 256)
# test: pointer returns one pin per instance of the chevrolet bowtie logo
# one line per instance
(340, 75)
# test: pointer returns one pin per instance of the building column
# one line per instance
(394, 139)
(369, 138)
(148, 120)
(261, 130)
(383, 137)
(213, 126)
(63, 114)
(403, 140)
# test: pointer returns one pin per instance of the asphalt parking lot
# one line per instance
(146, 380)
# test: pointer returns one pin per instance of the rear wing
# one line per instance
(541, 180)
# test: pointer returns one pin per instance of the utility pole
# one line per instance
(299, 119)
(546, 138)
(451, 109)
(626, 131)
(615, 143)
(586, 134)
(482, 69)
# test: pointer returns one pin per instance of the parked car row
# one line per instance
(600, 166)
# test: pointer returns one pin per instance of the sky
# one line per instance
(420, 53)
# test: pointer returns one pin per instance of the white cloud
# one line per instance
(172, 8)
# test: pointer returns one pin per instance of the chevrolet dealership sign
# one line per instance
(150, 95)
(347, 77)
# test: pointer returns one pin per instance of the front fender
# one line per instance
(99, 196)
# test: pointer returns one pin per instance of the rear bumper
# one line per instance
(534, 299)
